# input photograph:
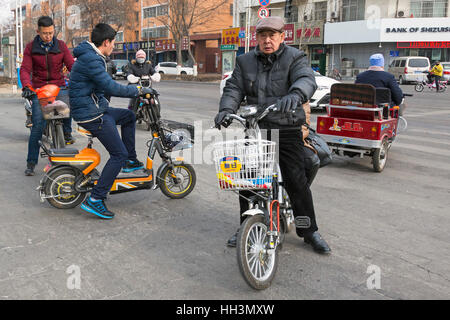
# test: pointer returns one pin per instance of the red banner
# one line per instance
(423, 44)
(289, 33)
(253, 42)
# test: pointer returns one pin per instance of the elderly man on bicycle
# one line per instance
(276, 73)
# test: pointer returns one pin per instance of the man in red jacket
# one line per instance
(43, 62)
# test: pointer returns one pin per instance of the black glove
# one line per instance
(288, 103)
(220, 119)
(27, 93)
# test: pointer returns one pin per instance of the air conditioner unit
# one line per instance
(400, 14)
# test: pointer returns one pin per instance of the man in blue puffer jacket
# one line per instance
(89, 83)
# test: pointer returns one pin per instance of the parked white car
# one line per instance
(171, 68)
(318, 101)
(321, 97)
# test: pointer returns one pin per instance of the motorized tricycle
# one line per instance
(360, 121)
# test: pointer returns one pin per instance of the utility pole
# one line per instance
(247, 26)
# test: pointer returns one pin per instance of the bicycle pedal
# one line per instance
(302, 222)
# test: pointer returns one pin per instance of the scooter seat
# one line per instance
(64, 152)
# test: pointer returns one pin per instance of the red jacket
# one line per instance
(40, 67)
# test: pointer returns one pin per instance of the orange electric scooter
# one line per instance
(71, 174)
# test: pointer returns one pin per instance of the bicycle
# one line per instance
(431, 86)
(249, 164)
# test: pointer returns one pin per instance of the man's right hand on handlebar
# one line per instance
(28, 93)
(222, 119)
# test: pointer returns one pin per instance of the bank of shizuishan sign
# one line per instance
(418, 30)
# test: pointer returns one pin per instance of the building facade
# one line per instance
(342, 34)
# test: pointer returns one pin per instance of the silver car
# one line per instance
(446, 75)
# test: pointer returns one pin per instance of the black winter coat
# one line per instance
(139, 69)
(263, 80)
(382, 79)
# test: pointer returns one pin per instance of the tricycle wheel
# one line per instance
(379, 157)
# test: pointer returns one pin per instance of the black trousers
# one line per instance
(437, 79)
(292, 160)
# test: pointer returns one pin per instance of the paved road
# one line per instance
(156, 248)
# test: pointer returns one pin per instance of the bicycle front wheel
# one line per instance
(257, 264)
(419, 87)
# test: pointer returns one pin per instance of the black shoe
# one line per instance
(30, 169)
(132, 166)
(28, 122)
(319, 245)
(68, 138)
(232, 241)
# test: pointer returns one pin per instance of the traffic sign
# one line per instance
(264, 3)
(263, 12)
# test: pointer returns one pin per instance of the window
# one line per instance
(402, 63)
(242, 18)
(151, 12)
(320, 10)
(162, 10)
(119, 36)
(158, 32)
(231, 9)
(429, 8)
(418, 63)
(294, 15)
(353, 10)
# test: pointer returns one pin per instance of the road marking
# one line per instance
(426, 114)
(426, 131)
(415, 147)
(423, 139)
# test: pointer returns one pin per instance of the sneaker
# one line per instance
(131, 166)
(97, 207)
(30, 169)
(68, 138)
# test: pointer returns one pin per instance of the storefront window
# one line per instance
(429, 8)
(294, 15)
(353, 10)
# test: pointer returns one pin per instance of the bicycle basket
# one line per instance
(56, 110)
(177, 135)
(246, 164)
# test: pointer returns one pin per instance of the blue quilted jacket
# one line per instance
(89, 83)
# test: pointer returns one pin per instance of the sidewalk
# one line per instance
(9, 91)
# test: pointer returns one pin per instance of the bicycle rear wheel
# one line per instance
(257, 264)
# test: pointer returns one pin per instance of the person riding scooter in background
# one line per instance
(437, 71)
(137, 69)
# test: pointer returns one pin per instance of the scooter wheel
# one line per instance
(379, 157)
(178, 183)
(419, 87)
(60, 189)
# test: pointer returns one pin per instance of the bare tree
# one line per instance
(184, 15)
(117, 13)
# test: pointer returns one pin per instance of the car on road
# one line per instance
(119, 63)
(171, 68)
(318, 101)
(409, 69)
(321, 97)
(446, 75)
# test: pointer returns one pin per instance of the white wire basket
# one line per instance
(245, 164)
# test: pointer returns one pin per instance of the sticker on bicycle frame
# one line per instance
(230, 164)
